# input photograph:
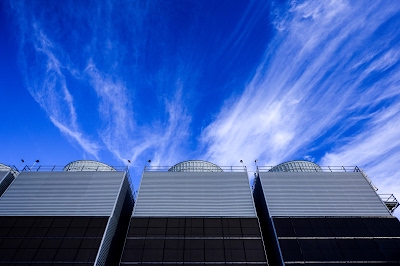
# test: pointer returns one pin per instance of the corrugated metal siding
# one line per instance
(62, 193)
(320, 194)
(216, 194)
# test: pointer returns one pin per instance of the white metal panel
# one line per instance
(320, 194)
(202, 194)
(62, 193)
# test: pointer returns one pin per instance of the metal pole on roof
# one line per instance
(22, 161)
(34, 164)
(148, 164)
(128, 165)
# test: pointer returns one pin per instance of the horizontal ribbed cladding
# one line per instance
(320, 194)
(62, 194)
(200, 194)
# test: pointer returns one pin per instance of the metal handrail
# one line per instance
(321, 169)
(388, 197)
(151, 168)
(390, 201)
(57, 168)
(9, 168)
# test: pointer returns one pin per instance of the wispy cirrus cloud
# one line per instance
(318, 82)
(162, 139)
(115, 111)
(376, 150)
(88, 76)
(45, 68)
(170, 145)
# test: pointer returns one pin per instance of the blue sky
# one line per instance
(214, 80)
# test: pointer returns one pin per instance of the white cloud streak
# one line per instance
(376, 150)
(170, 145)
(318, 76)
(46, 82)
(128, 141)
(115, 111)
(99, 63)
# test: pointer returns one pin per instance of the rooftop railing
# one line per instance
(310, 169)
(11, 169)
(7, 168)
(150, 168)
(390, 201)
(56, 168)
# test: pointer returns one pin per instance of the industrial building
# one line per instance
(76, 216)
(194, 213)
(312, 215)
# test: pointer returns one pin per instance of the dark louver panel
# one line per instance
(194, 240)
(339, 240)
(41, 240)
